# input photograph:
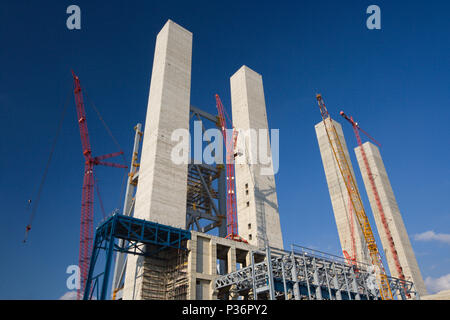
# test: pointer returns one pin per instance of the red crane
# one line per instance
(376, 195)
(87, 199)
(232, 229)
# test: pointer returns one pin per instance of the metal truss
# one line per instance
(203, 200)
(135, 234)
(128, 208)
(305, 274)
(206, 193)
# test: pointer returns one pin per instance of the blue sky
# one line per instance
(394, 81)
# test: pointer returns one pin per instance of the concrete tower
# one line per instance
(339, 194)
(394, 219)
(162, 184)
(256, 196)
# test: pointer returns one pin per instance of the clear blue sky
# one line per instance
(395, 81)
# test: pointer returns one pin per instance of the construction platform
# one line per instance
(190, 265)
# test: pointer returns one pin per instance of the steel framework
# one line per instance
(305, 274)
(203, 200)
(128, 207)
(136, 234)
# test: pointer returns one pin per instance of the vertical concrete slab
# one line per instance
(162, 185)
(161, 191)
(393, 216)
(256, 196)
(338, 193)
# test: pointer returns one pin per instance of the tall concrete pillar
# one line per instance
(339, 194)
(393, 216)
(162, 185)
(256, 196)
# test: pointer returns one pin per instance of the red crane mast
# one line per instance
(375, 193)
(87, 198)
(230, 143)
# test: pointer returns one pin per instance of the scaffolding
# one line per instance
(165, 276)
(305, 274)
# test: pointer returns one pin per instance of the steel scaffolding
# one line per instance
(306, 274)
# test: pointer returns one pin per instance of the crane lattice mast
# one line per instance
(375, 193)
(344, 168)
(230, 143)
(87, 198)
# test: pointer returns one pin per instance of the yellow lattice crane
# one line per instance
(363, 221)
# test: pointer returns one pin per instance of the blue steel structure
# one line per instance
(136, 233)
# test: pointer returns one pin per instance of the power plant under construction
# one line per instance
(206, 231)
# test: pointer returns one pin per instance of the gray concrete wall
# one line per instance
(162, 185)
(339, 194)
(256, 196)
(393, 216)
(204, 252)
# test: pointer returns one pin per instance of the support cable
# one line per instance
(91, 103)
(44, 176)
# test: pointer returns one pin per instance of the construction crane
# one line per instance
(375, 193)
(232, 229)
(344, 168)
(87, 199)
(351, 259)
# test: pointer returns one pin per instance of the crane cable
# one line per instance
(108, 130)
(34, 205)
(91, 103)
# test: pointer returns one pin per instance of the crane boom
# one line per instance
(344, 168)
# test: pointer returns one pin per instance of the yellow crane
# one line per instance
(363, 221)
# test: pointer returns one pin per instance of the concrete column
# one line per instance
(162, 185)
(213, 258)
(192, 267)
(393, 216)
(256, 197)
(231, 259)
(161, 191)
(339, 194)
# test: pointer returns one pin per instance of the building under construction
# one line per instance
(163, 241)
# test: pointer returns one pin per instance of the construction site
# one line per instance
(193, 230)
